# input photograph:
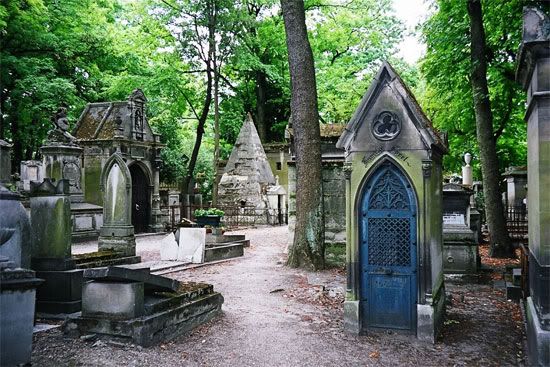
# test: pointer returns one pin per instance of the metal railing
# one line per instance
(234, 216)
(516, 223)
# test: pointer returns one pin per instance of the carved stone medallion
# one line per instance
(386, 126)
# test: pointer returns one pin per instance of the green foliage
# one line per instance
(447, 98)
(209, 211)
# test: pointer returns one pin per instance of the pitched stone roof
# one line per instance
(107, 120)
(387, 76)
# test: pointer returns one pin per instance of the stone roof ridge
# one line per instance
(387, 76)
(248, 155)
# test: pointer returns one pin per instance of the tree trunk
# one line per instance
(185, 189)
(261, 100)
(501, 246)
(308, 248)
(216, 136)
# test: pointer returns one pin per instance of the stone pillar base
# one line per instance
(61, 293)
(538, 339)
(352, 322)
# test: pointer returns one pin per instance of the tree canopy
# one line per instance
(75, 52)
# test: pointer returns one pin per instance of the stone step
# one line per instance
(103, 258)
(513, 292)
(153, 283)
(188, 292)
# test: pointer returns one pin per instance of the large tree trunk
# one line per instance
(216, 135)
(185, 189)
(261, 100)
(501, 246)
(308, 248)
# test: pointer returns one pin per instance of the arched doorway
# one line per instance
(388, 250)
(141, 209)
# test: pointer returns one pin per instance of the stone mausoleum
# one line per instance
(534, 75)
(107, 127)
(393, 213)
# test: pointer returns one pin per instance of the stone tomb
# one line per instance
(460, 246)
(534, 75)
(17, 285)
(393, 214)
(5, 162)
(135, 306)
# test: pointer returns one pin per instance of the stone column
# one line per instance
(534, 74)
(467, 171)
(5, 162)
(156, 213)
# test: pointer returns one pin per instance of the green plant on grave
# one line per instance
(209, 211)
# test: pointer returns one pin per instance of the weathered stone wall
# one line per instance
(334, 201)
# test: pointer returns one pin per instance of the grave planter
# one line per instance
(208, 220)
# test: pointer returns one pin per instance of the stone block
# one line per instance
(426, 323)
(217, 252)
(352, 322)
(191, 242)
(168, 248)
(115, 273)
(460, 258)
(113, 300)
(538, 339)
(83, 223)
(61, 292)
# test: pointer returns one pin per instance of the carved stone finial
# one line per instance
(348, 168)
(427, 168)
(60, 135)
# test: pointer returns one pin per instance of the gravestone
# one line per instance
(17, 285)
(393, 213)
(30, 171)
(136, 306)
(51, 248)
(516, 186)
(187, 245)
(117, 232)
(460, 246)
(5, 162)
(62, 155)
(534, 75)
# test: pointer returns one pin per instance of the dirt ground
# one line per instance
(277, 316)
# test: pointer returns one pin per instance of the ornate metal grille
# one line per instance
(389, 241)
(389, 193)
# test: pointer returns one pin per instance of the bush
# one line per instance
(209, 211)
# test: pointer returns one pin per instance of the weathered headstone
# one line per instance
(117, 232)
(17, 285)
(51, 248)
(534, 75)
(460, 246)
(187, 245)
(394, 213)
(516, 186)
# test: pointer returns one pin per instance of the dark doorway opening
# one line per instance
(141, 211)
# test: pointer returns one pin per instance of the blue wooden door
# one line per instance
(388, 250)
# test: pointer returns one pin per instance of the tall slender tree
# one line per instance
(501, 245)
(308, 248)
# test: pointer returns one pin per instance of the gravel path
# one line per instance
(276, 316)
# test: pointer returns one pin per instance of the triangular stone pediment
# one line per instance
(389, 117)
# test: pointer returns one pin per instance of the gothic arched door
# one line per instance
(140, 199)
(388, 250)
